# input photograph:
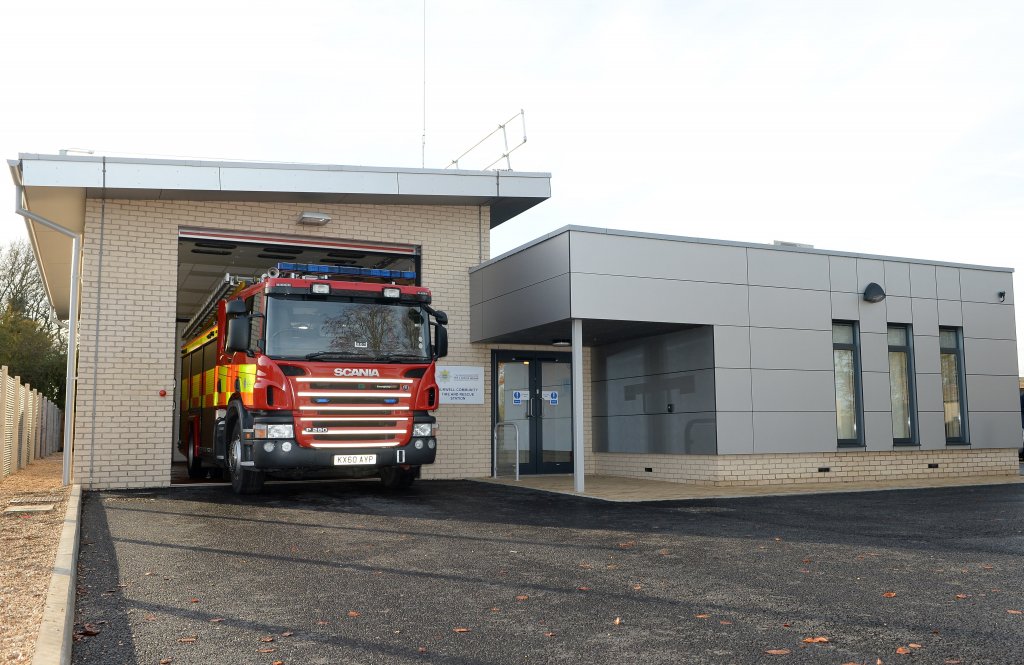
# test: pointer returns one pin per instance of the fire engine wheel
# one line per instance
(194, 464)
(243, 481)
(396, 478)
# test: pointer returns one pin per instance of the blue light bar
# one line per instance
(317, 269)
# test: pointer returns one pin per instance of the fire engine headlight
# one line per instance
(322, 289)
(423, 429)
(273, 431)
(268, 446)
(392, 293)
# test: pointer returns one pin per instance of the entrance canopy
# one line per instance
(56, 187)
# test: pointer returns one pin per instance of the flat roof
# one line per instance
(729, 243)
(56, 187)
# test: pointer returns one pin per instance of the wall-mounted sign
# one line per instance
(461, 385)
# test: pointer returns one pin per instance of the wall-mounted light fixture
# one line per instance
(561, 342)
(314, 218)
(874, 293)
(1002, 296)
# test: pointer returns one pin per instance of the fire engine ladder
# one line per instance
(206, 314)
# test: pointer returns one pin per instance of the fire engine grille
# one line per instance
(352, 412)
(354, 437)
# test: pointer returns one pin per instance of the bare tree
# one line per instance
(22, 291)
(32, 341)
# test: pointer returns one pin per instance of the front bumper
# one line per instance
(258, 458)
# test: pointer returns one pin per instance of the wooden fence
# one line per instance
(30, 424)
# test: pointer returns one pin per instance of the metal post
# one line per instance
(577, 404)
(494, 464)
(69, 392)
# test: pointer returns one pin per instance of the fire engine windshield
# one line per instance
(298, 327)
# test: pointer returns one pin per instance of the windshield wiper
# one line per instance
(392, 357)
(316, 355)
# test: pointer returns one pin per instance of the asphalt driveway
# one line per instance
(463, 572)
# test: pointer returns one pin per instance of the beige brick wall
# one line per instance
(123, 427)
(791, 468)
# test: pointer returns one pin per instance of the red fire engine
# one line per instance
(312, 371)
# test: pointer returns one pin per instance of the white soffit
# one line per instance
(65, 206)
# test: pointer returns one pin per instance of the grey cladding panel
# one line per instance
(874, 352)
(985, 285)
(732, 346)
(609, 254)
(870, 270)
(790, 390)
(673, 433)
(926, 316)
(792, 270)
(773, 348)
(898, 310)
(732, 390)
(993, 393)
(897, 278)
(843, 273)
(929, 392)
(995, 430)
(875, 386)
(846, 306)
(790, 308)
(878, 430)
(673, 352)
(873, 317)
(530, 266)
(678, 392)
(926, 354)
(535, 305)
(735, 433)
(794, 432)
(947, 283)
(990, 356)
(664, 300)
(931, 428)
(990, 321)
(922, 281)
(950, 313)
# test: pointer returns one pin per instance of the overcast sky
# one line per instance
(890, 128)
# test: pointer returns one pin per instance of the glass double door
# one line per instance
(534, 392)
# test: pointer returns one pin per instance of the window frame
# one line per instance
(908, 350)
(958, 353)
(858, 394)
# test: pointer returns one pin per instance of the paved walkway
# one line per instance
(614, 488)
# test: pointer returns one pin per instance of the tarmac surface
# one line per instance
(462, 572)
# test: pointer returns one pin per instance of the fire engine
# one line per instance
(312, 371)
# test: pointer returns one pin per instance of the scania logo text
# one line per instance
(348, 371)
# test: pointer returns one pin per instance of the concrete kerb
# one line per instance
(53, 646)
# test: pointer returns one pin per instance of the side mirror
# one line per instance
(237, 338)
(440, 341)
(235, 307)
(441, 318)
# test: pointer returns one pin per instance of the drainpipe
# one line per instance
(69, 393)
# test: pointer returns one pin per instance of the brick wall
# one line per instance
(123, 428)
(791, 468)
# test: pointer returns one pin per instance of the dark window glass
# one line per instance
(953, 402)
(901, 385)
(845, 356)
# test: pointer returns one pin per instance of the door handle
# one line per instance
(529, 407)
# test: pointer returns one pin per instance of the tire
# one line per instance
(396, 478)
(243, 481)
(192, 463)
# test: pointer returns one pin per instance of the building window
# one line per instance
(846, 358)
(953, 399)
(901, 385)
